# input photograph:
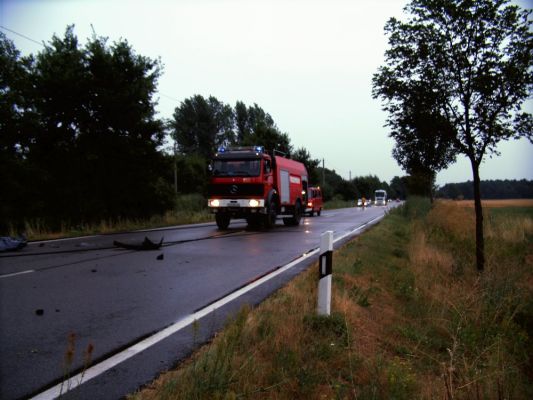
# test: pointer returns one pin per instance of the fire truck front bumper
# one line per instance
(237, 207)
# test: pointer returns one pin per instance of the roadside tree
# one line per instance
(16, 122)
(476, 57)
(95, 146)
(398, 187)
(301, 154)
(367, 185)
(200, 125)
(257, 127)
(424, 138)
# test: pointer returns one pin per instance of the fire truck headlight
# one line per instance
(309, 204)
(253, 203)
(214, 203)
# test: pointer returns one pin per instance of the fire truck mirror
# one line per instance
(267, 167)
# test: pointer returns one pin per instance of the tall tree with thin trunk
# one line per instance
(477, 57)
(424, 137)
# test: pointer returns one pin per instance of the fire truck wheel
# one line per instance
(297, 216)
(270, 217)
(318, 212)
(222, 221)
(311, 213)
(253, 221)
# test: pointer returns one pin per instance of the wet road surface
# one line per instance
(96, 294)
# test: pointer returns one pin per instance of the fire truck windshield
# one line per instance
(248, 167)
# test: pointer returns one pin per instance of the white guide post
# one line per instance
(325, 266)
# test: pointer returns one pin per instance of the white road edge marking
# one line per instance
(124, 355)
(29, 271)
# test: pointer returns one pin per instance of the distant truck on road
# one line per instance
(246, 182)
(380, 197)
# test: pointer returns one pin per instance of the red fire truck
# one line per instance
(248, 183)
(314, 201)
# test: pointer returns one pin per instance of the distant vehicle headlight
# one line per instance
(215, 203)
(253, 203)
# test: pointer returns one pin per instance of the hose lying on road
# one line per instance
(147, 244)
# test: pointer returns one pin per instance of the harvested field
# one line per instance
(496, 203)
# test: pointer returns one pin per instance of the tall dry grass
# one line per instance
(487, 348)
(188, 209)
(515, 230)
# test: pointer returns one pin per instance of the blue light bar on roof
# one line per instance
(256, 149)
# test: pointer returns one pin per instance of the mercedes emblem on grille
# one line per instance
(233, 189)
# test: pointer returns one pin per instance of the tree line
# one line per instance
(79, 135)
(490, 189)
(200, 125)
(80, 140)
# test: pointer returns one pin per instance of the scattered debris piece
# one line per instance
(9, 243)
(147, 244)
(39, 312)
(160, 256)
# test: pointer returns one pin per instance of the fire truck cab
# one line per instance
(246, 182)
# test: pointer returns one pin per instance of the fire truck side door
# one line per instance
(284, 187)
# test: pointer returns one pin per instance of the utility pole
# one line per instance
(175, 169)
(323, 174)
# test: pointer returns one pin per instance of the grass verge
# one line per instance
(189, 209)
(411, 318)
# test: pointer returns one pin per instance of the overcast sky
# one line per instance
(308, 63)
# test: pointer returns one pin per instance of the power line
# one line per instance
(22, 36)
(168, 97)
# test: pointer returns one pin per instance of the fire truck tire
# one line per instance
(297, 216)
(270, 218)
(253, 221)
(222, 221)
(318, 212)
(311, 213)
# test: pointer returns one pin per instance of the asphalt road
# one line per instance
(112, 298)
